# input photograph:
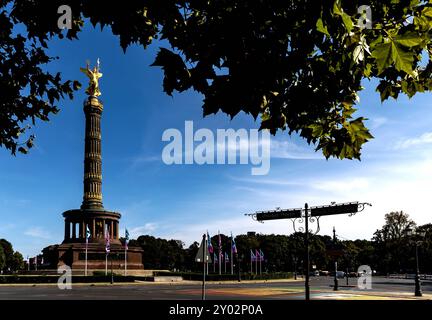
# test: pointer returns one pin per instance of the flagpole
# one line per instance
(220, 249)
(106, 249)
(85, 272)
(214, 262)
(232, 258)
(204, 257)
(225, 261)
(260, 264)
(125, 259)
(256, 264)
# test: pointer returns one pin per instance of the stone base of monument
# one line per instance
(74, 256)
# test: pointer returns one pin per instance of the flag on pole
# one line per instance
(253, 257)
(257, 254)
(261, 255)
(126, 248)
(220, 252)
(209, 244)
(126, 238)
(107, 240)
(234, 248)
(226, 256)
(88, 234)
(215, 259)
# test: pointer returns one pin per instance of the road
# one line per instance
(321, 289)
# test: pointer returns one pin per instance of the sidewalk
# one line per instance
(366, 295)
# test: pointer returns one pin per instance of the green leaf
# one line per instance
(409, 39)
(383, 56)
(389, 53)
(346, 19)
(176, 74)
(22, 150)
(337, 8)
(322, 28)
(76, 85)
(427, 12)
(403, 59)
(317, 130)
(349, 25)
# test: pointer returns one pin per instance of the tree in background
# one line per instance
(2, 259)
(17, 262)
(297, 66)
(389, 251)
(189, 257)
(425, 249)
(12, 260)
(391, 242)
(160, 253)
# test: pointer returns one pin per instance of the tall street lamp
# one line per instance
(304, 216)
(295, 266)
(418, 237)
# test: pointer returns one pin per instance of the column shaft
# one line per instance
(67, 230)
(92, 155)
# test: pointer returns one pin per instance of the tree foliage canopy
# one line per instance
(297, 65)
(10, 260)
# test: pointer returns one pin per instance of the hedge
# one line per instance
(225, 277)
(54, 279)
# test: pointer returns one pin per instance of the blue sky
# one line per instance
(182, 201)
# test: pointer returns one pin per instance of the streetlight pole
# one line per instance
(336, 283)
(418, 239)
(418, 291)
(307, 288)
(239, 260)
(296, 214)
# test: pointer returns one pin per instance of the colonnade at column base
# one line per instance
(97, 220)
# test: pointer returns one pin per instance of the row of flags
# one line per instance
(258, 256)
(210, 246)
(223, 256)
(107, 239)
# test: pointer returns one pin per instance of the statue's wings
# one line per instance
(86, 71)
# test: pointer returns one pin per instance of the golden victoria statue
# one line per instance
(93, 75)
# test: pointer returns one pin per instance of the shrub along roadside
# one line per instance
(226, 277)
(101, 278)
(53, 279)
